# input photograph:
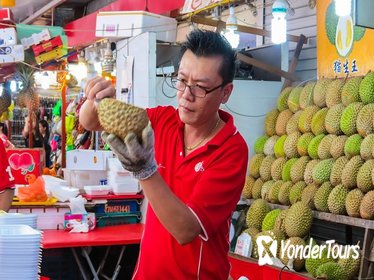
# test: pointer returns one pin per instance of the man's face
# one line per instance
(201, 71)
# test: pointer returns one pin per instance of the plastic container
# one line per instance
(79, 178)
(63, 193)
(112, 219)
(97, 189)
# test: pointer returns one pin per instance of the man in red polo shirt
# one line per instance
(6, 181)
(201, 165)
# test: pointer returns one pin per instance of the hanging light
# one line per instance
(231, 26)
(343, 7)
(279, 23)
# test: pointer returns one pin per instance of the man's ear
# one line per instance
(227, 90)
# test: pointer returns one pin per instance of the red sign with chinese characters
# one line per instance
(25, 163)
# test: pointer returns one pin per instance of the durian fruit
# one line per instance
(353, 201)
(270, 121)
(322, 171)
(364, 178)
(321, 196)
(313, 146)
(367, 145)
(293, 123)
(337, 170)
(284, 193)
(337, 146)
(350, 91)
(274, 192)
(298, 220)
(332, 119)
(286, 171)
(293, 99)
(290, 145)
(269, 145)
(305, 118)
(298, 262)
(364, 121)
(283, 98)
(279, 146)
(319, 92)
(324, 146)
(265, 189)
(333, 93)
(282, 120)
(306, 95)
(331, 271)
(367, 206)
(296, 192)
(277, 167)
(308, 173)
(352, 145)
(351, 265)
(308, 194)
(255, 164)
(5, 101)
(336, 200)
(247, 189)
(350, 171)
(303, 143)
(298, 169)
(256, 189)
(120, 118)
(318, 122)
(256, 213)
(265, 168)
(349, 118)
(312, 264)
(260, 143)
(269, 220)
(367, 88)
(279, 221)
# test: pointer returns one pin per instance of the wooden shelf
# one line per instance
(340, 219)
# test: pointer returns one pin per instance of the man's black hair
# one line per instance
(4, 127)
(205, 43)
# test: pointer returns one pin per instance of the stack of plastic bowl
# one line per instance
(18, 219)
(20, 252)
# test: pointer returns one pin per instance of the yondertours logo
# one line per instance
(268, 249)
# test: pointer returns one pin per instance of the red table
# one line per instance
(105, 236)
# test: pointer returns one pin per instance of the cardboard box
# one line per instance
(8, 37)
(6, 16)
(10, 54)
(125, 24)
(25, 162)
(87, 159)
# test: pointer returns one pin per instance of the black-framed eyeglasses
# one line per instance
(196, 90)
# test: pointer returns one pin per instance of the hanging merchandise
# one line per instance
(9, 51)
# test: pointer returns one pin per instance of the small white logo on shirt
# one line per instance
(199, 167)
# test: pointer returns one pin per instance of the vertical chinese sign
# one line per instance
(342, 48)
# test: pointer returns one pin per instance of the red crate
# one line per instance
(47, 46)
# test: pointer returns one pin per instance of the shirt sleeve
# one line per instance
(220, 187)
(5, 170)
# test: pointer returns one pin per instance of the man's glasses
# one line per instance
(196, 90)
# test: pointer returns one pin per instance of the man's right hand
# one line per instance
(96, 89)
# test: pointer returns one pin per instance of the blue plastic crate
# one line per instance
(117, 206)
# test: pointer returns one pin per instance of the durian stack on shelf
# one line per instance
(318, 148)
(317, 153)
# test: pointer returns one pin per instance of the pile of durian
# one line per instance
(292, 226)
(318, 148)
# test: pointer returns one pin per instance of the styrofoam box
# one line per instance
(87, 159)
(81, 178)
(115, 165)
(124, 24)
(128, 185)
(97, 189)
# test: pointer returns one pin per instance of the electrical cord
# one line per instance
(280, 272)
(244, 115)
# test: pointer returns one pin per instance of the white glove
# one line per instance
(135, 156)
